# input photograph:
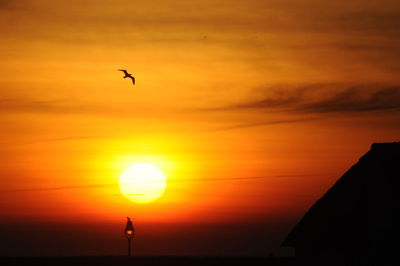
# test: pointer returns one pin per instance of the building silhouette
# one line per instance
(357, 221)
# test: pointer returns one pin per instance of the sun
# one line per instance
(142, 183)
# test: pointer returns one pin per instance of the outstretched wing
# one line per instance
(133, 80)
(124, 70)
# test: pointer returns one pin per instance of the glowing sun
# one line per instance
(142, 183)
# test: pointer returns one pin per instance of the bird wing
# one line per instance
(124, 70)
(133, 80)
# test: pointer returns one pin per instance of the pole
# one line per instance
(129, 246)
(129, 233)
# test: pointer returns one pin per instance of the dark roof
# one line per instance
(362, 206)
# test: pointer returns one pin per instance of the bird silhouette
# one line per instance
(127, 75)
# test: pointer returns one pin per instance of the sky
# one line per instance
(252, 109)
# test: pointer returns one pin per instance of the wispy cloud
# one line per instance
(356, 99)
(6, 4)
(325, 98)
(263, 123)
(375, 22)
(75, 107)
(39, 189)
(215, 179)
(45, 106)
(48, 140)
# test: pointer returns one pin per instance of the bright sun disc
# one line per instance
(142, 183)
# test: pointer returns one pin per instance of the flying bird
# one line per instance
(127, 75)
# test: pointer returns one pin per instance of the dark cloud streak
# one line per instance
(263, 123)
(325, 99)
(70, 107)
(40, 106)
(40, 189)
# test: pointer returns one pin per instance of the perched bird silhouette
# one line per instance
(127, 75)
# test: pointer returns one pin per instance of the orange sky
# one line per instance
(251, 108)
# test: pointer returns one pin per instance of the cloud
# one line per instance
(375, 22)
(356, 99)
(325, 98)
(5, 4)
(75, 107)
(263, 123)
(40, 189)
(47, 140)
(31, 105)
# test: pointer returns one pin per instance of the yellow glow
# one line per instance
(129, 233)
(142, 183)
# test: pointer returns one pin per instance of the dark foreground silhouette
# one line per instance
(357, 221)
(148, 261)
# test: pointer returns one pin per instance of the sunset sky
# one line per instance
(252, 109)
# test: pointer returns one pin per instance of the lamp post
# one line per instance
(129, 233)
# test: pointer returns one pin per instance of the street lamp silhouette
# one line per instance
(129, 233)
